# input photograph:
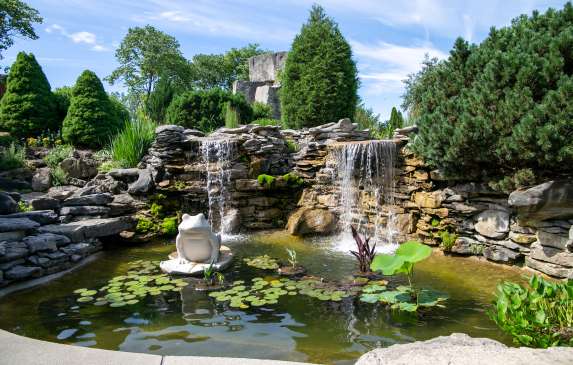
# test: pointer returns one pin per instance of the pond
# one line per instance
(296, 328)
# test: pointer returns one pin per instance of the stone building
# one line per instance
(263, 86)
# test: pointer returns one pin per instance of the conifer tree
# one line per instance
(28, 106)
(319, 81)
(91, 118)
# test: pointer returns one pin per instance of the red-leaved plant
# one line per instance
(365, 253)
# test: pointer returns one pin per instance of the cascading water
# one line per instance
(217, 156)
(364, 177)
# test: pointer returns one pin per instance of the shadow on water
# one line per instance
(298, 328)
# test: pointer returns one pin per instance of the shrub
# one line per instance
(540, 315)
(232, 117)
(92, 118)
(28, 106)
(59, 176)
(319, 81)
(12, 157)
(131, 144)
(145, 225)
(119, 110)
(57, 155)
(501, 106)
(158, 101)
(204, 110)
(169, 226)
(62, 97)
(261, 111)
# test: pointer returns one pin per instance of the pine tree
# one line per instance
(319, 81)
(28, 107)
(91, 118)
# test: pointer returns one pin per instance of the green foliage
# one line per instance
(131, 144)
(120, 112)
(62, 97)
(92, 118)
(292, 257)
(144, 55)
(266, 121)
(59, 176)
(264, 262)
(156, 210)
(319, 81)
(57, 155)
(211, 71)
(396, 121)
(28, 106)
(169, 226)
(266, 180)
(403, 298)
(500, 106)
(292, 146)
(12, 157)
(24, 207)
(262, 111)
(367, 119)
(158, 101)
(145, 225)
(204, 110)
(6, 139)
(292, 179)
(520, 179)
(403, 259)
(232, 117)
(448, 240)
(540, 315)
(16, 19)
(435, 222)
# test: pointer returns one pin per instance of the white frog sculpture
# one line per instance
(196, 242)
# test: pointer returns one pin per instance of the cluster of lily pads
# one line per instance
(268, 291)
(264, 262)
(404, 298)
(143, 279)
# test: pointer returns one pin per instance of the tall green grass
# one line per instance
(12, 157)
(232, 117)
(131, 144)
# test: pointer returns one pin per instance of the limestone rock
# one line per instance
(522, 238)
(80, 167)
(461, 349)
(559, 241)
(492, 223)
(61, 192)
(17, 224)
(311, 221)
(12, 251)
(42, 179)
(143, 185)
(467, 246)
(85, 210)
(7, 204)
(126, 175)
(92, 199)
(429, 200)
(45, 241)
(550, 200)
(552, 255)
(45, 203)
(550, 269)
(502, 254)
(40, 216)
(91, 228)
(20, 272)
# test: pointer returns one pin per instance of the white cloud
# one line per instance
(78, 37)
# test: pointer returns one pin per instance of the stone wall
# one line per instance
(263, 86)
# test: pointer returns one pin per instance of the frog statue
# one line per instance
(197, 248)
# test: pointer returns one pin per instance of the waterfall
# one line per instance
(364, 177)
(217, 155)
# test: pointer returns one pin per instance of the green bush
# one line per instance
(28, 106)
(319, 81)
(169, 226)
(501, 106)
(62, 97)
(261, 111)
(540, 315)
(59, 176)
(158, 101)
(232, 117)
(131, 144)
(204, 110)
(145, 225)
(92, 118)
(57, 155)
(12, 157)
(119, 110)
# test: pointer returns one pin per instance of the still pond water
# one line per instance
(297, 328)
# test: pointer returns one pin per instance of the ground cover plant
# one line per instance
(540, 315)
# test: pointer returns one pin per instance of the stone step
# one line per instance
(91, 228)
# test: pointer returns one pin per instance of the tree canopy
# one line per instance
(146, 54)
(501, 108)
(16, 20)
(319, 81)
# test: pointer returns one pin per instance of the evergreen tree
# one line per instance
(319, 82)
(502, 108)
(28, 106)
(158, 101)
(92, 118)
(396, 120)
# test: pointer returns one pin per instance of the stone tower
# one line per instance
(263, 85)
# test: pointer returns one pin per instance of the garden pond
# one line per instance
(282, 320)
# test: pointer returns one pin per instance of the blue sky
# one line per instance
(389, 38)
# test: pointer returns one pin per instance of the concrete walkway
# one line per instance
(18, 350)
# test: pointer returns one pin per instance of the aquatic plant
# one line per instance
(540, 315)
(292, 257)
(448, 240)
(364, 253)
(143, 279)
(264, 262)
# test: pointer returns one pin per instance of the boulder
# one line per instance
(20, 272)
(91, 199)
(45, 241)
(45, 203)
(552, 255)
(85, 210)
(7, 204)
(10, 251)
(559, 241)
(501, 254)
(467, 246)
(91, 228)
(143, 185)
(126, 175)
(550, 269)
(42, 179)
(83, 168)
(311, 221)
(461, 349)
(40, 216)
(522, 238)
(17, 224)
(550, 200)
(492, 223)
(429, 200)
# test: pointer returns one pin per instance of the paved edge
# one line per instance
(19, 350)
